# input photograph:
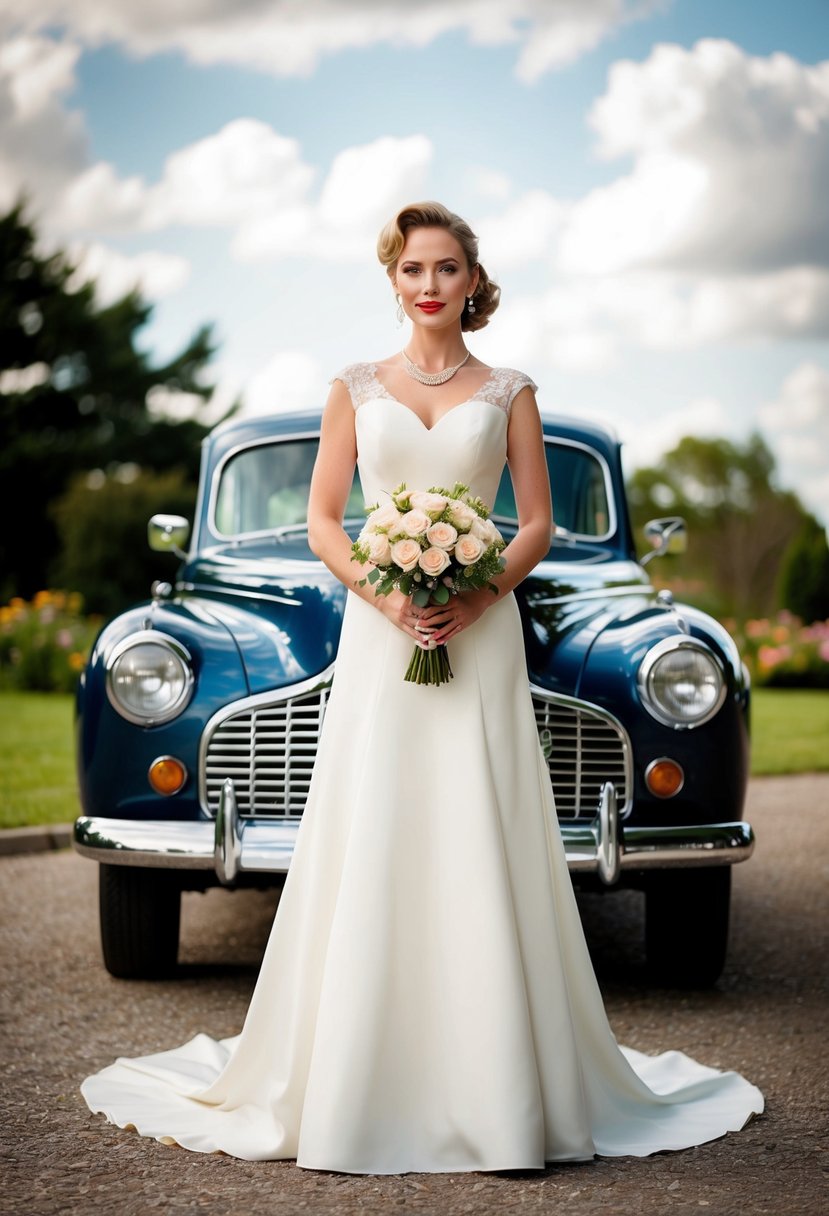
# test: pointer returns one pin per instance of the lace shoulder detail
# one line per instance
(361, 381)
(502, 387)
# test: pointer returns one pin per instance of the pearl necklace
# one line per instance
(417, 373)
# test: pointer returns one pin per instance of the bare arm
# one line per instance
(531, 481)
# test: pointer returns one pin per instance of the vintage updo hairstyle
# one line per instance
(434, 215)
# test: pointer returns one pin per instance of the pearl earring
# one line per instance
(471, 305)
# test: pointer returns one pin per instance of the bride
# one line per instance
(426, 1001)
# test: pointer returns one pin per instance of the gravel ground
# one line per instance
(63, 1016)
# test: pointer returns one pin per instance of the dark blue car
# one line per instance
(199, 712)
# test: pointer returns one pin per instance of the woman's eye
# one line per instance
(449, 269)
(411, 270)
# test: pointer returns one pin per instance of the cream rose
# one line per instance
(414, 523)
(468, 549)
(405, 554)
(432, 504)
(441, 534)
(461, 515)
(385, 518)
(379, 549)
(433, 561)
(486, 531)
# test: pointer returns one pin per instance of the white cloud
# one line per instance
(289, 380)
(250, 179)
(731, 165)
(41, 143)
(797, 426)
(246, 169)
(363, 187)
(646, 442)
(489, 182)
(287, 38)
(565, 31)
(522, 233)
(152, 273)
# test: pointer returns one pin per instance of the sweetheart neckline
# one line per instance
(385, 395)
(428, 429)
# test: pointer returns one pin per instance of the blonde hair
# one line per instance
(434, 215)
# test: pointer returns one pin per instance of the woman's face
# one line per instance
(432, 278)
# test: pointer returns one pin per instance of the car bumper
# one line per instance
(231, 845)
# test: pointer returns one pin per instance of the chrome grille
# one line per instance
(268, 751)
(584, 747)
(267, 747)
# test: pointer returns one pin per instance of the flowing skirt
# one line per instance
(426, 1001)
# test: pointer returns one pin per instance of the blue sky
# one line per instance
(648, 179)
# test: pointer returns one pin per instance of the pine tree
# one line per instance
(73, 397)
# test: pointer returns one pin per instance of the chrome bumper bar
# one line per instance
(231, 845)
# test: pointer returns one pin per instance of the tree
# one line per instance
(740, 525)
(805, 579)
(74, 397)
(102, 524)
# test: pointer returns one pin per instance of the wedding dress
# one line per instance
(426, 1001)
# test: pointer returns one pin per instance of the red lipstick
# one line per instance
(430, 306)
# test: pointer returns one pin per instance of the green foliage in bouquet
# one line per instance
(430, 544)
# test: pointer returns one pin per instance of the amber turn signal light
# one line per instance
(167, 775)
(664, 777)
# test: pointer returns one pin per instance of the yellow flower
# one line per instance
(77, 661)
(42, 599)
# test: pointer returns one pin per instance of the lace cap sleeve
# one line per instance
(360, 381)
(503, 386)
(518, 381)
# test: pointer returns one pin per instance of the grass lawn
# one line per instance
(37, 762)
(790, 731)
(37, 765)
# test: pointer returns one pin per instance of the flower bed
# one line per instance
(783, 652)
(44, 643)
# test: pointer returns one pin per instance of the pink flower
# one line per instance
(406, 554)
(433, 561)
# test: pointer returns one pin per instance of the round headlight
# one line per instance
(681, 682)
(149, 678)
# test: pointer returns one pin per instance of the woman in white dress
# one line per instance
(426, 1001)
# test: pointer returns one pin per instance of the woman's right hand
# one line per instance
(405, 615)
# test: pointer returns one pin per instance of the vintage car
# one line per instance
(199, 712)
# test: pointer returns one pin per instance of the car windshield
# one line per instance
(265, 488)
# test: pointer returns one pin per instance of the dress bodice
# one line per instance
(468, 443)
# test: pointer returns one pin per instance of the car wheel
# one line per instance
(686, 925)
(140, 915)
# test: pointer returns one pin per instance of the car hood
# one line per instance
(566, 608)
(284, 612)
(284, 608)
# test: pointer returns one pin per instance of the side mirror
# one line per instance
(168, 534)
(667, 535)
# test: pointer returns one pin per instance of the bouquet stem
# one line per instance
(429, 666)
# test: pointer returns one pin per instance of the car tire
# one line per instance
(140, 913)
(686, 925)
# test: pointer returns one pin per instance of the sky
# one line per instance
(649, 180)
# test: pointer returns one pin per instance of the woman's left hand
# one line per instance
(442, 622)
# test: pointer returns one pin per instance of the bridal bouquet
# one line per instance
(430, 544)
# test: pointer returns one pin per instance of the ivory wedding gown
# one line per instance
(426, 1001)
